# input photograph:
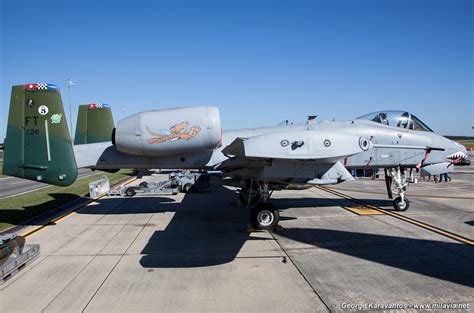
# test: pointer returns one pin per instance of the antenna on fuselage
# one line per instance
(311, 119)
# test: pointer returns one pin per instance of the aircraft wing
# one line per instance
(236, 148)
(313, 157)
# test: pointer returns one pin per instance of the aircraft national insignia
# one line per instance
(43, 110)
(176, 132)
(56, 118)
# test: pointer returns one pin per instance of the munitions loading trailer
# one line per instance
(177, 181)
(15, 255)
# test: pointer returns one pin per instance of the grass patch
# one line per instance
(17, 209)
(467, 143)
(1, 170)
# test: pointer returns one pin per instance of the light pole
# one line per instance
(69, 85)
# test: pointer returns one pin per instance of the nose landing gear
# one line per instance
(397, 183)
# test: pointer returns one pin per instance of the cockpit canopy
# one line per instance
(400, 119)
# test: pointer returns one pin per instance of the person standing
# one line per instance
(445, 176)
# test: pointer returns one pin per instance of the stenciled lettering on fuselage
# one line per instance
(176, 132)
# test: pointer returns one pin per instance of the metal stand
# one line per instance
(15, 255)
(184, 182)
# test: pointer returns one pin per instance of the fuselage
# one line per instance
(377, 133)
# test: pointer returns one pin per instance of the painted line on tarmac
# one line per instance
(411, 195)
(62, 217)
(410, 220)
(24, 192)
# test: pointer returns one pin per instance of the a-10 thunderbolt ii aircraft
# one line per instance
(259, 160)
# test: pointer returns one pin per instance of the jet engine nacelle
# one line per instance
(169, 132)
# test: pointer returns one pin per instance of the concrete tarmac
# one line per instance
(193, 253)
(11, 186)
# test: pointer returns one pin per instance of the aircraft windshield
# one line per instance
(398, 119)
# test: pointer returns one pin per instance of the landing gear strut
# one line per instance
(397, 184)
(263, 215)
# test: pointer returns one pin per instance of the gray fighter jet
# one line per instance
(258, 160)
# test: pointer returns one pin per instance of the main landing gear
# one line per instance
(397, 183)
(263, 215)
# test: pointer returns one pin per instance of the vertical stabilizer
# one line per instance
(94, 124)
(38, 146)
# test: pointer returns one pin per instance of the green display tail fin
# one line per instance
(94, 124)
(38, 146)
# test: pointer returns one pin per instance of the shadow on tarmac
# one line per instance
(40, 213)
(204, 231)
(443, 260)
(208, 229)
(326, 202)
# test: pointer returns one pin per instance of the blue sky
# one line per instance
(260, 62)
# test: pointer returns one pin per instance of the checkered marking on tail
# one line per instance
(98, 106)
(40, 86)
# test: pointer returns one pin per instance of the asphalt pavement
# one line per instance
(11, 186)
(194, 252)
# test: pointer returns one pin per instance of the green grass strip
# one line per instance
(17, 209)
(467, 143)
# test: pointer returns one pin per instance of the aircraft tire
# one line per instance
(143, 184)
(398, 206)
(187, 188)
(130, 192)
(264, 216)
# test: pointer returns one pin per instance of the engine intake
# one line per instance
(169, 131)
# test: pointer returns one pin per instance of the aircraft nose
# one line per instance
(459, 156)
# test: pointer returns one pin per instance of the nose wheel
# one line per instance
(401, 204)
(265, 216)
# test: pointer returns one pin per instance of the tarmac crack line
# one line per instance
(93, 257)
(52, 254)
(118, 261)
(300, 272)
